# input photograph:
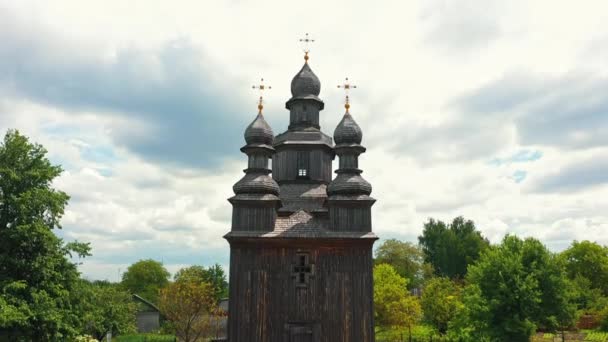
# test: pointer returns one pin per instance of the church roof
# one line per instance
(307, 196)
(309, 135)
(350, 183)
(302, 224)
(256, 183)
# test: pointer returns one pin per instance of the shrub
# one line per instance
(603, 318)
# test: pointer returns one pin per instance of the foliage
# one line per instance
(188, 306)
(513, 289)
(213, 275)
(108, 308)
(451, 248)
(37, 280)
(145, 278)
(590, 261)
(407, 259)
(603, 317)
(588, 300)
(419, 332)
(440, 301)
(394, 306)
(145, 338)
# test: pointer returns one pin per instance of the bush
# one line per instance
(603, 318)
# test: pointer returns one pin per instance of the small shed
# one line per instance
(148, 315)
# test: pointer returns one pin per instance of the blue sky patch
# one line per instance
(522, 156)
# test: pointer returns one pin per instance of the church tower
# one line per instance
(301, 243)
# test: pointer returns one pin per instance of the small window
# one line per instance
(303, 164)
(302, 269)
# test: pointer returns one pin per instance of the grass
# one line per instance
(596, 336)
(583, 335)
(419, 333)
(144, 338)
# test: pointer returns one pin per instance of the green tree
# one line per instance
(394, 306)
(440, 300)
(407, 259)
(450, 248)
(108, 308)
(146, 278)
(513, 289)
(588, 299)
(189, 307)
(588, 260)
(37, 280)
(603, 318)
(213, 275)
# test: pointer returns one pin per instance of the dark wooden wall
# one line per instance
(253, 218)
(267, 305)
(285, 164)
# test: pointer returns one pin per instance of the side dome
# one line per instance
(305, 83)
(259, 132)
(349, 184)
(253, 183)
(347, 131)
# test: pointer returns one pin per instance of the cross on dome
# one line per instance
(347, 86)
(306, 45)
(261, 87)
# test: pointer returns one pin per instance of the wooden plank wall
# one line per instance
(285, 164)
(265, 303)
(350, 218)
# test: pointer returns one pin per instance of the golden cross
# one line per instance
(347, 86)
(261, 87)
(305, 42)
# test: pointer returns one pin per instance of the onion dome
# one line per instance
(256, 183)
(259, 132)
(305, 83)
(349, 184)
(347, 131)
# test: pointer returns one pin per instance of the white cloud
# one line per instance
(445, 91)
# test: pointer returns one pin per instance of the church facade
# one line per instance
(301, 240)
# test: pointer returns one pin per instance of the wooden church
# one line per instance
(301, 240)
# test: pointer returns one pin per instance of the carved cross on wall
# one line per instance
(302, 270)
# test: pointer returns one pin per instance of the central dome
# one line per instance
(305, 83)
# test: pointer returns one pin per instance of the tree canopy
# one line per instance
(440, 301)
(107, 307)
(588, 260)
(513, 289)
(450, 248)
(394, 306)
(37, 280)
(189, 307)
(146, 278)
(213, 275)
(407, 259)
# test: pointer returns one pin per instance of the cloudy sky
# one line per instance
(494, 110)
